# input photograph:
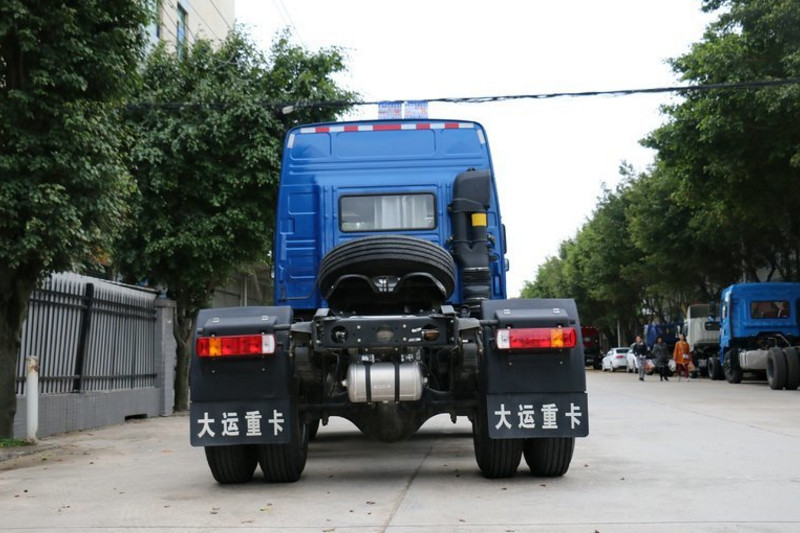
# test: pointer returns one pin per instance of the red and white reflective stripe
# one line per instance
(389, 127)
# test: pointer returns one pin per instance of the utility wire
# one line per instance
(288, 107)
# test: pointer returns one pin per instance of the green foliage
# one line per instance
(207, 170)
(14, 443)
(206, 155)
(64, 68)
(719, 203)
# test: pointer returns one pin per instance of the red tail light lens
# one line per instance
(536, 338)
(235, 345)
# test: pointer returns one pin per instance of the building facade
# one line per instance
(181, 22)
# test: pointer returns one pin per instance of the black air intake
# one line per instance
(471, 194)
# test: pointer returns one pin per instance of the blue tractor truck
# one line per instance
(390, 308)
(759, 333)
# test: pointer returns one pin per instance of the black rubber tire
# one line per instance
(713, 368)
(549, 457)
(284, 463)
(389, 255)
(497, 458)
(792, 368)
(231, 464)
(731, 369)
(776, 368)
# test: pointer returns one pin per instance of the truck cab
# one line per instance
(341, 182)
(758, 333)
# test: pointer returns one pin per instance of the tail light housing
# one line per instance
(235, 345)
(536, 338)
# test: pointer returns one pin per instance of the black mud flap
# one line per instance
(243, 400)
(525, 416)
(241, 422)
(533, 393)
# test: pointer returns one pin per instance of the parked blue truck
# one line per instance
(390, 308)
(759, 333)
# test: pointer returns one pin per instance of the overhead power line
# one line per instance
(288, 107)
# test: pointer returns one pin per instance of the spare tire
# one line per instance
(387, 255)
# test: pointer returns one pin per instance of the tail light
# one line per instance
(535, 338)
(235, 345)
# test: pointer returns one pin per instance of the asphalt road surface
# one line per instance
(677, 456)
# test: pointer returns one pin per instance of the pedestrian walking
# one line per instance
(640, 351)
(661, 355)
(682, 356)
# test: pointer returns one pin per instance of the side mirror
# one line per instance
(711, 325)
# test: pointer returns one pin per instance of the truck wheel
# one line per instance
(497, 458)
(713, 368)
(389, 255)
(731, 368)
(549, 457)
(284, 463)
(231, 464)
(792, 368)
(776, 368)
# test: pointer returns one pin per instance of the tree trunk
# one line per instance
(15, 292)
(184, 327)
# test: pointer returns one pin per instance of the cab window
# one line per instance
(769, 309)
(387, 212)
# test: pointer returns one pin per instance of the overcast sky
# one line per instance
(551, 157)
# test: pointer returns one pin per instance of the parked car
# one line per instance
(616, 358)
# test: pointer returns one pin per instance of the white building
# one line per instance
(181, 22)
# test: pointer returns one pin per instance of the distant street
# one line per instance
(676, 456)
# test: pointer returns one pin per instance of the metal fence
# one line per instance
(90, 335)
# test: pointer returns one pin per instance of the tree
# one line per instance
(735, 155)
(718, 204)
(64, 68)
(208, 136)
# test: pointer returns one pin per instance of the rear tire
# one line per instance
(284, 463)
(792, 368)
(731, 368)
(549, 457)
(776, 368)
(231, 464)
(713, 368)
(497, 458)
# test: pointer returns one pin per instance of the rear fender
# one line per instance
(243, 400)
(555, 370)
(533, 393)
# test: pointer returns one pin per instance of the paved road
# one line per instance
(698, 456)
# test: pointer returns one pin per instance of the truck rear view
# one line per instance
(390, 308)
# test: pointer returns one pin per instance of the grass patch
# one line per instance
(13, 443)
